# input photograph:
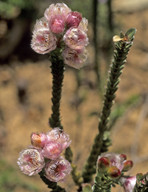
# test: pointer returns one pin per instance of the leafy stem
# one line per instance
(101, 143)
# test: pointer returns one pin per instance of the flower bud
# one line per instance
(123, 157)
(57, 24)
(113, 172)
(38, 140)
(103, 163)
(57, 170)
(73, 19)
(127, 165)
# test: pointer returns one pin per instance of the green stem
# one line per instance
(50, 184)
(120, 55)
(57, 70)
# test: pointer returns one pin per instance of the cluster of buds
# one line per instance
(45, 153)
(61, 28)
(113, 164)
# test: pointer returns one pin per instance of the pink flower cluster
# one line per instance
(113, 164)
(45, 152)
(62, 28)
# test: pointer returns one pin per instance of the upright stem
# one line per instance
(120, 55)
(57, 70)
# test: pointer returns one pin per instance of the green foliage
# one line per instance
(102, 183)
(10, 182)
(121, 50)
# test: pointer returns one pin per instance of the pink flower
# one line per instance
(75, 38)
(75, 58)
(52, 150)
(30, 161)
(128, 183)
(43, 40)
(57, 24)
(38, 140)
(60, 9)
(57, 170)
(113, 163)
(73, 19)
(57, 135)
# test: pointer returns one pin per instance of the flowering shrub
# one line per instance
(62, 34)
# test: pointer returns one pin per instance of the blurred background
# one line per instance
(25, 86)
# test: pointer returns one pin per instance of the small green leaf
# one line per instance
(130, 33)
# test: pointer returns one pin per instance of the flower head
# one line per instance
(57, 135)
(31, 161)
(43, 40)
(63, 29)
(128, 183)
(114, 164)
(52, 150)
(57, 170)
(57, 24)
(57, 9)
(75, 58)
(75, 38)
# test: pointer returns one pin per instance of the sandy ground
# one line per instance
(18, 120)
